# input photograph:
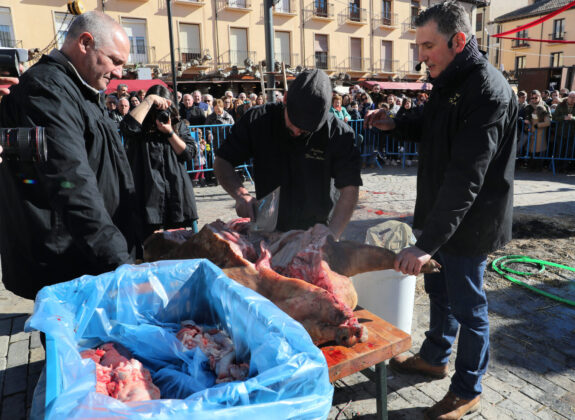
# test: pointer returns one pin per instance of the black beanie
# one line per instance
(309, 100)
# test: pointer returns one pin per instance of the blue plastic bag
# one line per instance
(135, 305)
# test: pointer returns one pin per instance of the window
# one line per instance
(556, 59)
(6, 33)
(356, 63)
(414, 11)
(136, 31)
(62, 22)
(321, 51)
(320, 8)
(238, 46)
(354, 12)
(386, 56)
(479, 22)
(190, 42)
(519, 62)
(283, 6)
(498, 40)
(386, 11)
(519, 42)
(558, 29)
(282, 47)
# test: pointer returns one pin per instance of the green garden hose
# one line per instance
(502, 268)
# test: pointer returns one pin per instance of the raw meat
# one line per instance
(120, 376)
(218, 347)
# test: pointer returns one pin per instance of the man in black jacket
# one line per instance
(71, 215)
(464, 204)
(300, 146)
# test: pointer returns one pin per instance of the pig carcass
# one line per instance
(295, 270)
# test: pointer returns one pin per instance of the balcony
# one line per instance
(558, 36)
(386, 21)
(517, 44)
(353, 15)
(141, 54)
(409, 24)
(321, 10)
(193, 3)
(242, 6)
(285, 8)
(10, 43)
(321, 60)
(240, 59)
(288, 59)
(387, 66)
(356, 64)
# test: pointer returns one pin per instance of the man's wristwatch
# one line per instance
(171, 134)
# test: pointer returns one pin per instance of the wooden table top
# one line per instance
(383, 342)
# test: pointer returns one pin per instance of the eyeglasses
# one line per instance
(534, 98)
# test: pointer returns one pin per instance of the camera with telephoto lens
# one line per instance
(163, 116)
(10, 59)
(26, 144)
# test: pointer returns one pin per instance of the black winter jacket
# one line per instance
(73, 214)
(467, 135)
(164, 190)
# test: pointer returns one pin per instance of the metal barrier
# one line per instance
(214, 136)
(553, 144)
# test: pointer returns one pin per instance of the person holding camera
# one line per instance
(159, 144)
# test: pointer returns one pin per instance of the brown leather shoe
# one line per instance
(415, 364)
(451, 407)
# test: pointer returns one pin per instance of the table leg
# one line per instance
(381, 390)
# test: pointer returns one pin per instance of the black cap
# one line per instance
(309, 100)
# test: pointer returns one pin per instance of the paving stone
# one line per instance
(433, 391)
(538, 380)
(416, 397)
(5, 327)
(561, 380)
(18, 354)
(556, 402)
(2, 375)
(14, 407)
(549, 414)
(497, 384)
(4, 340)
(490, 395)
(17, 333)
(37, 354)
(496, 412)
(507, 377)
(518, 411)
(524, 401)
(35, 341)
(15, 380)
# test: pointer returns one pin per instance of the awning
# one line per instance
(133, 84)
(369, 84)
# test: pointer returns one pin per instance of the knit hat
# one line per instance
(309, 100)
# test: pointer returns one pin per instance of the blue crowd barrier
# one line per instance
(553, 145)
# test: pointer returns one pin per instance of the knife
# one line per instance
(266, 212)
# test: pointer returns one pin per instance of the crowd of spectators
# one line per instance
(545, 127)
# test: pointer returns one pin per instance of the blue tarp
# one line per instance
(138, 305)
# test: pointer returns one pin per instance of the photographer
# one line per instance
(158, 145)
(71, 214)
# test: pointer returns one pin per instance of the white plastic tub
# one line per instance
(389, 294)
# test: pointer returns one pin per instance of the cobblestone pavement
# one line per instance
(531, 373)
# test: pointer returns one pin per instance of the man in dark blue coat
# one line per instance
(467, 133)
(71, 215)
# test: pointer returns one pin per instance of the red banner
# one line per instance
(550, 41)
(535, 23)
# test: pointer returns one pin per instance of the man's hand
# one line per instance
(245, 206)
(410, 260)
(164, 128)
(378, 118)
(7, 81)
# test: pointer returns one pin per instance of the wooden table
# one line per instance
(384, 341)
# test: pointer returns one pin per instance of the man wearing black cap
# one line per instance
(300, 146)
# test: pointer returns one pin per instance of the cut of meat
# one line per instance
(120, 376)
(218, 348)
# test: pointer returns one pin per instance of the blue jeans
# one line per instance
(457, 299)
